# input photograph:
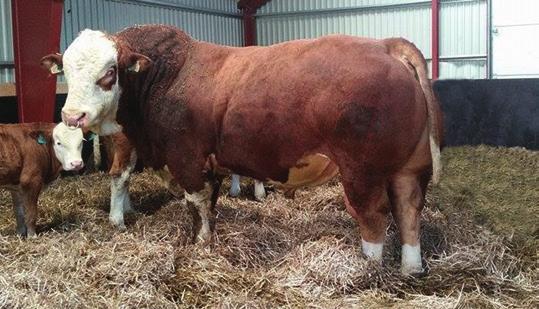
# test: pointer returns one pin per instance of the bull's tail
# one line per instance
(411, 56)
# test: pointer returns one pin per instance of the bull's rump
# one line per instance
(338, 95)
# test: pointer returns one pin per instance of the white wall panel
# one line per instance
(463, 26)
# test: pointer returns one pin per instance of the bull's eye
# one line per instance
(58, 143)
(108, 80)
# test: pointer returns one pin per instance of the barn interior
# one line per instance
(480, 224)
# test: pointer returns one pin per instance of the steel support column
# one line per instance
(249, 26)
(435, 39)
(36, 33)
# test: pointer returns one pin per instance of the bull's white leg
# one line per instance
(407, 200)
(120, 202)
(372, 250)
(260, 192)
(97, 152)
(411, 259)
(235, 188)
(201, 200)
(18, 209)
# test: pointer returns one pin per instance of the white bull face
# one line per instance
(92, 64)
(67, 144)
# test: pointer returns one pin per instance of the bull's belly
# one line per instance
(311, 170)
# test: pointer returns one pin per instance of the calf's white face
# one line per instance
(67, 144)
(91, 65)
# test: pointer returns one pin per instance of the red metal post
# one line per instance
(249, 26)
(36, 33)
(435, 39)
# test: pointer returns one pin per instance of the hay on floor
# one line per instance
(479, 239)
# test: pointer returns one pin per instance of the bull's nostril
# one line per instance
(76, 163)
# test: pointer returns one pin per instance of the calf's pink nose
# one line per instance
(77, 165)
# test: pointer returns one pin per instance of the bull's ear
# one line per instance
(52, 63)
(137, 63)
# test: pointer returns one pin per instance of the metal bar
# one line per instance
(347, 9)
(415, 4)
(249, 27)
(435, 39)
(7, 64)
(183, 7)
(463, 57)
(36, 32)
(489, 39)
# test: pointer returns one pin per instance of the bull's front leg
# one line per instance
(120, 203)
(204, 202)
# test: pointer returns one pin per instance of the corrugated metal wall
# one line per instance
(6, 39)
(209, 20)
(463, 26)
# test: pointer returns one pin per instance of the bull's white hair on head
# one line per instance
(85, 61)
(90, 47)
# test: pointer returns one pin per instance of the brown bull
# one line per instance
(365, 104)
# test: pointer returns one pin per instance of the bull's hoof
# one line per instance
(260, 197)
(417, 272)
(203, 238)
(118, 223)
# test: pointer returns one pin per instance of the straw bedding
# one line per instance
(479, 238)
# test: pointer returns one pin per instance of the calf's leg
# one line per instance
(30, 195)
(18, 209)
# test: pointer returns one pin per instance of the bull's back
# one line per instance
(297, 98)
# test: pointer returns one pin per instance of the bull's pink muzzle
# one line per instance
(79, 120)
(76, 165)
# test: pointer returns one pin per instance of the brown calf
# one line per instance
(31, 156)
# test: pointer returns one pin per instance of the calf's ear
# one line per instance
(52, 63)
(40, 137)
(135, 62)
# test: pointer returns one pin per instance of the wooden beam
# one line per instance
(9, 90)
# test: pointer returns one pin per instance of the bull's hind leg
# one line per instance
(260, 191)
(407, 193)
(369, 205)
(235, 188)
